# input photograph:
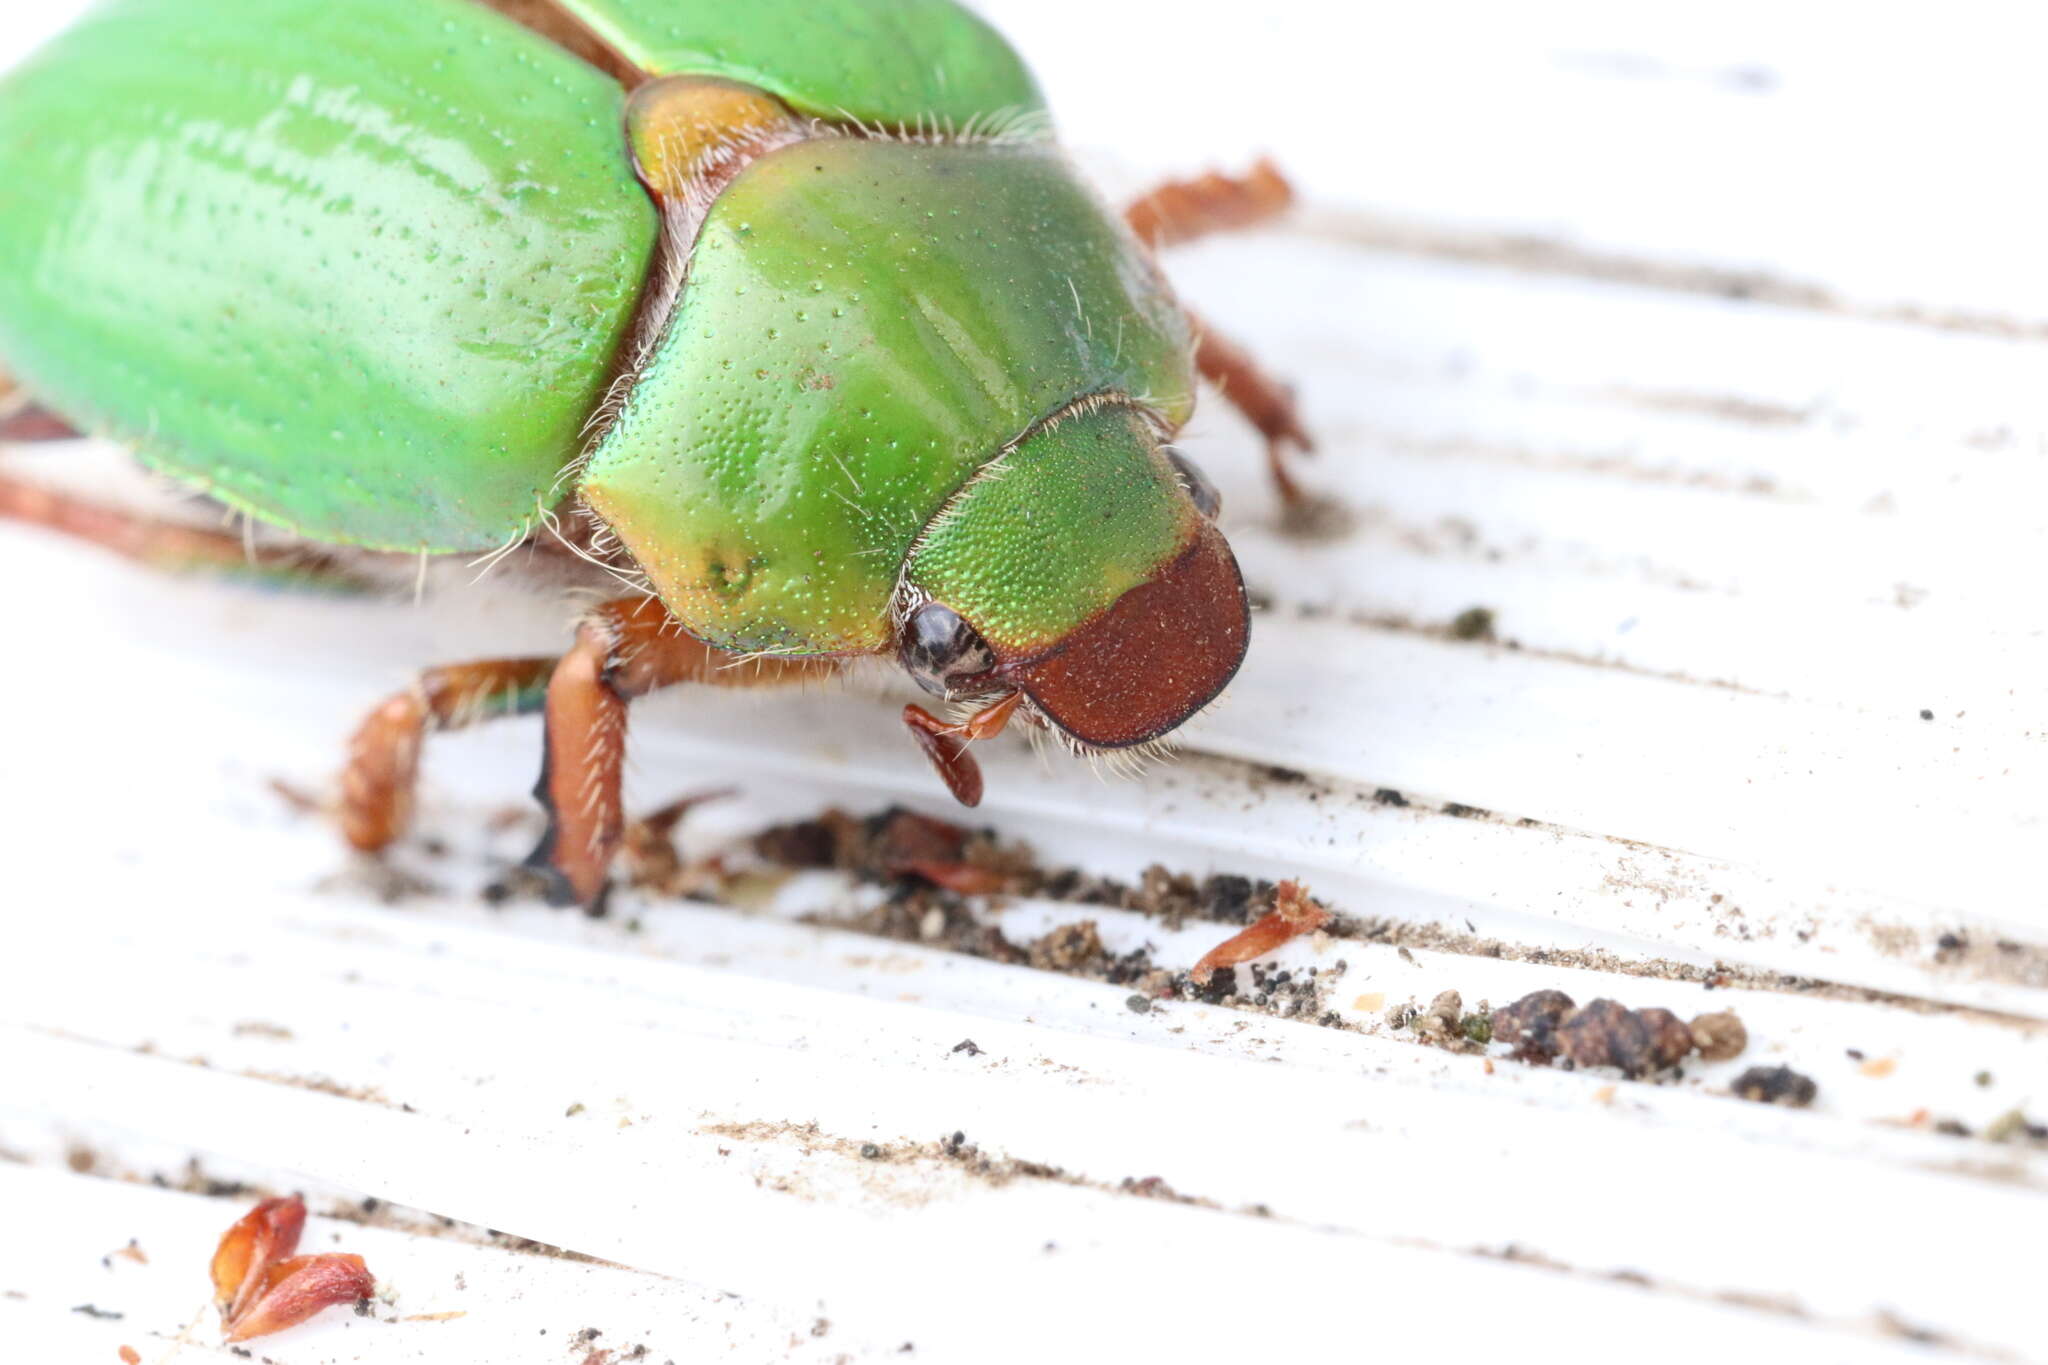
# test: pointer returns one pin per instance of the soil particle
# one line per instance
(1227, 898)
(1473, 623)
(1719, 1036)
(1639, 1042)
(1138, 1004)
(2014, 1126)
(1165, 895)
(1152, 1187)
(1075, 947)
(1387, 796)
(1544, 1026)
(1529, 1025)
(1443, 1022)
(1221, 986)
(968, 1046)
(1776, 1085)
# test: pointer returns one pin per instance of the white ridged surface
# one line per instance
(1737, 546)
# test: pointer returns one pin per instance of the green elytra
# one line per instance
(364, 272)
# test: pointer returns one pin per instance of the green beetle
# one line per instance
(793, 304)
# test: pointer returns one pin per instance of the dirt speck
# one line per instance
(1071, 947)
(1473, 623)
(1776, 1085)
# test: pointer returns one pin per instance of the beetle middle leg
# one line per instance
(624, 649)
(1186, 211)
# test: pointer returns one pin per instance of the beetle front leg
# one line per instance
(624, 649)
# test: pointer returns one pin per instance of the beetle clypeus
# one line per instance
(794, 303)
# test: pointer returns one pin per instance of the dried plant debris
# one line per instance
(1293, 914)
(1776, 1085)
(260, 1287)
(898, 845)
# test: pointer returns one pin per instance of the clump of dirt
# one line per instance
(1545, 1026)
(1075, 947)
(1473, 623)
(1638, 1042)
(1719, 1036)
(932, 868)
(1529, 1025)
(896, 845)
(1776, 1085)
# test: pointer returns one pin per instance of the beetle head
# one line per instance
(1082, 569)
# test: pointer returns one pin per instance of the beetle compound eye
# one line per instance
(941, 650)
(1200, 491)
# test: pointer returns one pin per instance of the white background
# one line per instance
(1703, 345)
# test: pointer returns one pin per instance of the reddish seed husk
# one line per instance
(1293, 914)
